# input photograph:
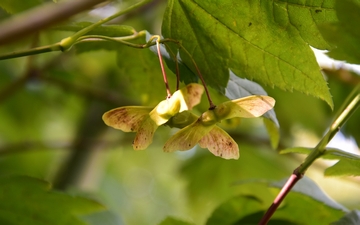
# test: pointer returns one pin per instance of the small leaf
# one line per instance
(349, 164)
(300, 150)
(273, 131)
(25, 200)
(174, 221)
(220, 144)
(344, 168)
(352, 218)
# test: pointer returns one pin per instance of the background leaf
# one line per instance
(38, 203)
(174, 221)
(352, 218)
(342, 34)
(309, 188)
(236, 208)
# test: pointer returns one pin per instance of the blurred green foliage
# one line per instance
(51, 128)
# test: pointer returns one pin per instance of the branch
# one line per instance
(41, 17)
(348, 108)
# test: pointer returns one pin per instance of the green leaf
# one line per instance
(174, 221)
(302, 209)
(256, 40)
(26, 200)
(349, 164)
(342, 34)
(309, 188)
(352, 218)
(273, 131)
(16, 6)
(300, 150)
(344, 168)
(333, 153)
(236, 208)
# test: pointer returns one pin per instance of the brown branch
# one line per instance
(41, 17)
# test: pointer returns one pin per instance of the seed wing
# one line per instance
(127, 119)
(187, 137)
(220, 143)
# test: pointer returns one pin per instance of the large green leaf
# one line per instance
(266, 41)
(344, 34)
(25, 200)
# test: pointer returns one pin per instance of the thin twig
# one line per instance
(162, 67)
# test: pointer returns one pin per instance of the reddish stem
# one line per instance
(177, 73)
(294, 178)
(163, 69)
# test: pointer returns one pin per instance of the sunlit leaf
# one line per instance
(25, 200)
(344, 168)
(268, 42)
(349, 164)
(273, 131)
